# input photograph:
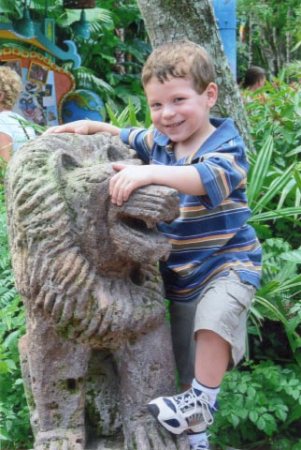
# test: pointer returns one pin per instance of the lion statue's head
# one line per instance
(87, 265)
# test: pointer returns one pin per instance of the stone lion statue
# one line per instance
(97, 346)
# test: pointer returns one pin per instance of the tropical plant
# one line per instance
(14, 421)
(274, 115)
(112, 52)
(260, 407)
(274, 196)
(259, 401)
(128, 116)
(272, 31)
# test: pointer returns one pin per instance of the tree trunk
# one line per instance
(169, 20)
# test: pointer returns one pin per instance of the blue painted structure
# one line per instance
(225, 14)
(41, 35)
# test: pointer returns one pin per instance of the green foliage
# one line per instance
(272, 33)
(267, 182)
(274, 182)
(14, 422)
(277, 300)
(259, 402)
(128, 116)
(274, 197)
(275, 111)
(113, 55)
(260, 405)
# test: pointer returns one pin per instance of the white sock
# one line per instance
(198, 438)
(211, 392)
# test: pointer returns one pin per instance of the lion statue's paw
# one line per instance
(150, 436)
(59, 440)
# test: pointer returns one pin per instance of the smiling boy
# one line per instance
(213, 270)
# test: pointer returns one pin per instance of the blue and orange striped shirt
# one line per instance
(211, 235)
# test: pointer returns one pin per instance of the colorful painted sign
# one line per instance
(45, 85)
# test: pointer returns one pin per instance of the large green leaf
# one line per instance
(275, 189)
(259, 172)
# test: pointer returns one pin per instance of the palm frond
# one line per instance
(276, 214)
(92, 16)
(259, 171)
(86, 79)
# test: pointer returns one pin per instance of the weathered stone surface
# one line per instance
(97, 346)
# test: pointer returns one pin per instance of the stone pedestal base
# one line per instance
(107, 444)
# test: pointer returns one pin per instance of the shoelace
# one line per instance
(191, 400)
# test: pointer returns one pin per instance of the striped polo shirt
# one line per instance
(211, 234)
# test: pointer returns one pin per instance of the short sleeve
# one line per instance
(140, 139)
(222, 173)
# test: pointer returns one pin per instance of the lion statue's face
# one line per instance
(68, 240)
(117, 234)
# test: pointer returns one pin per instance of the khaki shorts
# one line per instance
(222, 308)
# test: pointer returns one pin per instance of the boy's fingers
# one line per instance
(118, 166)
(115, 187)
(120, 190)
(79, 129)
(112, 184)
(50, 130)
(58, 129)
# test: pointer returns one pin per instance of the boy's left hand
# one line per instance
(128, 178)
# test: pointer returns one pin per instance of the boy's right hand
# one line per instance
(84, 127)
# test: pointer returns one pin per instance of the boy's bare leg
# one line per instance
(212, 358)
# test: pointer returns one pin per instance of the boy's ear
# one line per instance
(212, 93)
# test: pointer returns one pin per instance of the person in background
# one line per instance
(13, 132)
(255, 78)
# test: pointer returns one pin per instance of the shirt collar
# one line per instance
(161, 139)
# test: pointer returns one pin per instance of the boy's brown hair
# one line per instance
(180, 59)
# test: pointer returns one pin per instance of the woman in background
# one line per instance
(255, 78)
(13, 132)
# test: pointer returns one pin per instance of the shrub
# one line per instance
(15, 430)
(260, 405)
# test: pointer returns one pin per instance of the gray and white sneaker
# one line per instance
(190, 410)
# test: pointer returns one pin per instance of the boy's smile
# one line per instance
(180, 112)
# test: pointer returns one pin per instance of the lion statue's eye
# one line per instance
(68, 162)
(114, 154)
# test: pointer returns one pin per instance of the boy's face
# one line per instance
(178, 111)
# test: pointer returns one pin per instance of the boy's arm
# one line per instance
(85, 127)
(184, 179)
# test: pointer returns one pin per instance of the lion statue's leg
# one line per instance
(102, 397)
(146, 370)
(57, 370)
